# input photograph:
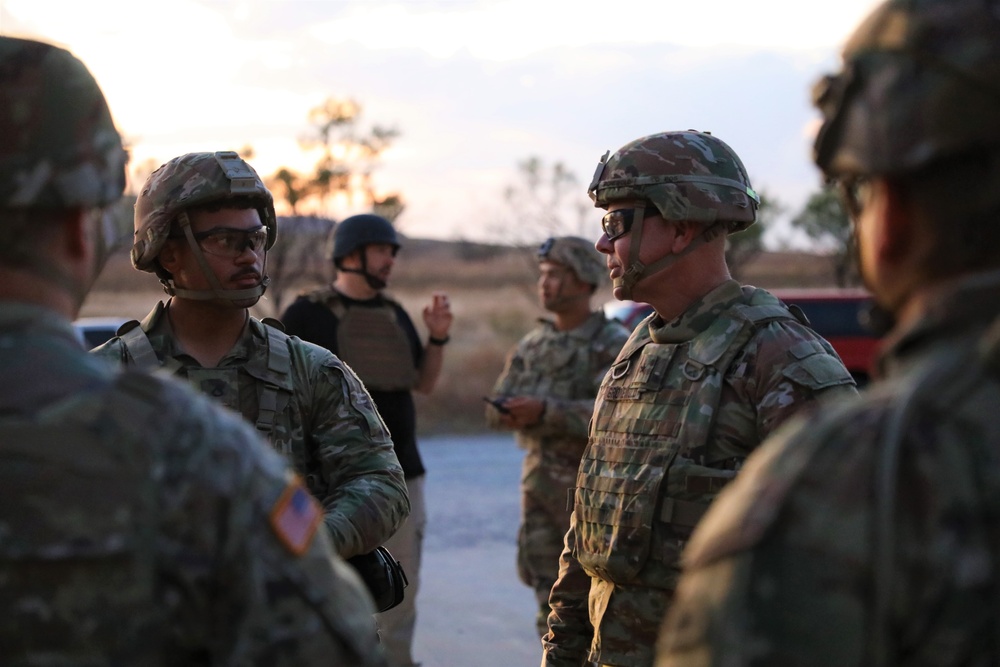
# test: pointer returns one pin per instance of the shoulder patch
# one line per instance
(295, 517)
(817, 371)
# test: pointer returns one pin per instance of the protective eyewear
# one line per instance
(854, 192)
(619, 222)
(230, 242)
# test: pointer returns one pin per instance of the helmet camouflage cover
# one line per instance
(687, 175)
(920, 82)
(189, 181)
(60, 148)
(578, 254)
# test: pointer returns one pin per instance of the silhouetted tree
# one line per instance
(348, 156)
(545, 200)
(824, 220)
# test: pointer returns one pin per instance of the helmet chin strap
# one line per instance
(374, 282)
(236, 296)
(636, 269)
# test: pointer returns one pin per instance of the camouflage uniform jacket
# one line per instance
(869, 535)
(319, 415)
(142, 525)
(681, 408)
(565, 368)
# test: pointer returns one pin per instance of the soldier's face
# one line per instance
(558, 287)
(655, 242)
(239, 268)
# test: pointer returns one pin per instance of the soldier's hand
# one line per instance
(523, 411)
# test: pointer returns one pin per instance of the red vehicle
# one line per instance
(835, 314)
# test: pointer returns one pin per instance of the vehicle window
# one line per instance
(834, 318)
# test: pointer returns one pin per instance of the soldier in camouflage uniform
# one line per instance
(698, 385)
(871, 535)
(140, 524)
(203, 224)
(546, 392)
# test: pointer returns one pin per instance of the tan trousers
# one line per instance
(396, 625)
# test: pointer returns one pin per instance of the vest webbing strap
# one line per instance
(279, 362)
(139, 349)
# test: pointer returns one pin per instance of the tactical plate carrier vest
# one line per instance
(272, 374)
(371, 341)
(644, 481)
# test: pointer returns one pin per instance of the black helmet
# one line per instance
(358, 231)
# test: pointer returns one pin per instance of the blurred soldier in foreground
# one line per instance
(203, 225)
(356, 320)
(870, 535)
(546, 394)
(695, 389)
(140, 524)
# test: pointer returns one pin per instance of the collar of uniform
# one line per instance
(162, 338)
(699, 315)
(957, 307)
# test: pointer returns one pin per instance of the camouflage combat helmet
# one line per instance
(186, 182)
(60, 148)
(578, 254)
(920, 82)
(687, 175)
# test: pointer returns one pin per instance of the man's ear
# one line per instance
(685, 232)
(168, 256)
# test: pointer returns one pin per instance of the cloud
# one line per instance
(474, 87)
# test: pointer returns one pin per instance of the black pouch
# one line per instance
(383, 575)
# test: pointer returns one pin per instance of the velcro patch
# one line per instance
(295, 517)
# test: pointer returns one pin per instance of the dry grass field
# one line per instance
(492, 296)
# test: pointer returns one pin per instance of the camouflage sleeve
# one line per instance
(500, 388)
(788, 367)
(250, 578)
(750, 542)
(112, 352)
(782, 568)
(567, 417)
(365, 499)
(570, 634)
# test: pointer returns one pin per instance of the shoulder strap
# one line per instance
(279, 362)
(137, 346)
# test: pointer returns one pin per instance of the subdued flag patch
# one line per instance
(295, 517)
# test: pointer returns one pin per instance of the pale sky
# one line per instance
(474, 86)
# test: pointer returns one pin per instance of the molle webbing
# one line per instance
(645, 477)
(276, 385)
(273, 374)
